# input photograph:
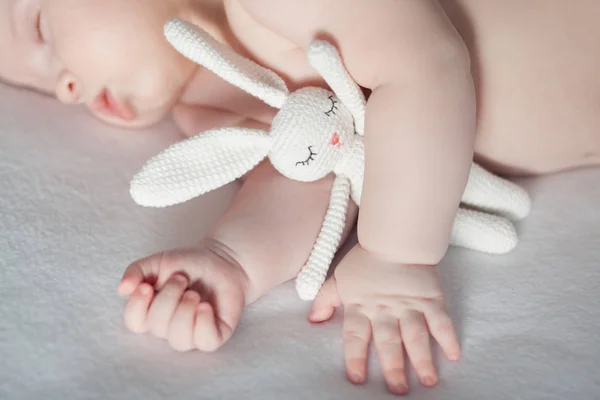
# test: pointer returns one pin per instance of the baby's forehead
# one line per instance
(10, 71)
(14, 67)
(7, 27)
(9, 54)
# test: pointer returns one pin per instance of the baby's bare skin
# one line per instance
(536, 71)
(505, 145)
(534, 66)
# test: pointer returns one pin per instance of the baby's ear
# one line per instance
(200, 47)
(198, 165)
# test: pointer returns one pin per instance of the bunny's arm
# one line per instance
(313, 274)
(420, 118)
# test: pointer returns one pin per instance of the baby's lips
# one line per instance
(106, 103)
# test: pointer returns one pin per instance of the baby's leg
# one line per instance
(262, 241)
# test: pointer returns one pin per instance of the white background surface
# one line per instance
(529, 322)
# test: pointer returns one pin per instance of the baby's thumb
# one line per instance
(325, 303)
(135, 274)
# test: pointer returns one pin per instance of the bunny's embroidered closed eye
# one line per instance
(311, 157)
(333, 107)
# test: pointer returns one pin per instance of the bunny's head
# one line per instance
(308, 138)
(310, 134)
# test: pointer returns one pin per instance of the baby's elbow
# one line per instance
(445, 62)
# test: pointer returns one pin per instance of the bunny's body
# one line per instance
(316, 132)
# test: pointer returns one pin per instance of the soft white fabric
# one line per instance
(528, 321)
(316, 132)
(178, 174)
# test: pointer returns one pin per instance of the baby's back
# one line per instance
(537, 69)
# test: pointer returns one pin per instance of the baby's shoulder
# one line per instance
(248, 25)
(287, 25)
(266, 43)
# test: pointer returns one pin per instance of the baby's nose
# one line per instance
(67, 88)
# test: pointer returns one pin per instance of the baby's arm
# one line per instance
(420, 121)
(274, 221)
(419, 138)
(194, 296)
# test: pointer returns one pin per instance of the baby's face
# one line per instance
(107, 54)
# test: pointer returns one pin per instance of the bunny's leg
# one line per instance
(483, 232)
(491, 193)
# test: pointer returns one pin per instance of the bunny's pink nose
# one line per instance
(335, 141)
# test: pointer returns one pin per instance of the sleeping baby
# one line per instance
(450, 80)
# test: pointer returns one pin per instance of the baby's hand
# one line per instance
(192, 297)
(395, 304)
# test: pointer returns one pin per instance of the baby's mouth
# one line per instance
(105, 103)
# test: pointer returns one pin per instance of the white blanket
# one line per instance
(529, 322)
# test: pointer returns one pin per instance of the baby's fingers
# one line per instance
(181, 328)
(386, 335)
(416, 341)
(442, 330)
(136, 310)
(164, 305)
(216, 320)
(136, 273)
(209, 332)
(357, 335)
(132, 277)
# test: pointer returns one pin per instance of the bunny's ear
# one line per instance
(324, 57)
(198, 165)
(200, 47)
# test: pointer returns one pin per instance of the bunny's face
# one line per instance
(310, 134)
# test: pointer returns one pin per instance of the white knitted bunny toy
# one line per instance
(316, 132)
